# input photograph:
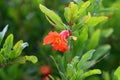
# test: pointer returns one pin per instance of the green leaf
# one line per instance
(8, 45)
(81, 23)
(73, 77)
(2, 58)
(95, 6)
(59, 66)
(117, 73)
(71, 68)
(87, 56)
(17, 49)
(81, 39)
(23, 59)
(53, 17)
(94, 40)
(107, 32)
(83, 8)
(85, 19)
(66, 12)
(74, 61)
(93, 21)
(79, 74)
(3, 74)
(91, 72)
(106, 75)
(71, 12)
(101, 51)
(2, 34)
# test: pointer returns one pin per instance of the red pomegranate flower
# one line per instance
(58, 41)
(45, 70)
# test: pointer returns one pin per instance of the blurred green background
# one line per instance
(28, 23)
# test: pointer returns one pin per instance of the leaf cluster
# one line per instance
(10, 54)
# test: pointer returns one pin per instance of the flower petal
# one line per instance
(50, 38)
(61, 46)
(58, 41)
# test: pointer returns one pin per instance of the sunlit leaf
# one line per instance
(2, 34)
(94, 40)
(107, 32)
(91, 72)
(71, 12)
(7, 47)
(71, 67)
(81, 38)
(87, 56)
(83, 8)
(93, 21)
(101, 51)
(117, 73)
(2, 58)
(24, 45)
(23, 59)
(53, 17)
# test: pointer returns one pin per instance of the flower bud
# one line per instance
(65, 34)
(45, 70)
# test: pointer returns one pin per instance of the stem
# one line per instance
(70, 32)
(70, 55)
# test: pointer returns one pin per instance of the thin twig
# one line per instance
(70, 33)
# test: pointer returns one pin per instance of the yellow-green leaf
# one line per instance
(53, 17)
(94, 40)
(117, 73)
(93, 21)
(23, 59)
(8, 45)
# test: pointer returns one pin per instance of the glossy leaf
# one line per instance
(23, 59)
(82, 22)
(117, 73)
(17, 49)
(71, 12)
(82, 37)
(101, 51)
(93, 21)
(2, 58)
(53, 17)
(7, 47)
(73, 77)
(85, 19)
(87, 56)
(24, 45)
(91, 72)
(94, 40)
(71, 68)
(2, 34)
(107, 32)
(83, 8)
(79, 74)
